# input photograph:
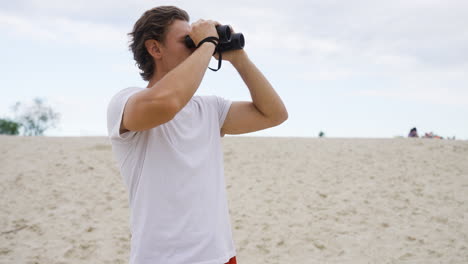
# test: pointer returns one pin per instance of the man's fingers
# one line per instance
(200, 21)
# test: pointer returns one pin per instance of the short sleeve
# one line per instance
(223, 106)
(115, 112)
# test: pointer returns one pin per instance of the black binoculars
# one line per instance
(227, 41)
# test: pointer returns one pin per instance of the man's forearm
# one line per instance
(264, 97)
(181, 83)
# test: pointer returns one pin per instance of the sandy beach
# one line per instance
(292, 200)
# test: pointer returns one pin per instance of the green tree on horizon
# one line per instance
(9, 127)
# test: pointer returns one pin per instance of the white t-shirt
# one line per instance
(174, 176)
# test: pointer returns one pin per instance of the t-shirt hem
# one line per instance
(221, 260)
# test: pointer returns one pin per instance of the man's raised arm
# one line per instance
(266, 109)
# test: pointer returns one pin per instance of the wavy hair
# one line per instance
(153, 24)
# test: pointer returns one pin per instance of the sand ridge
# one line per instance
(292, 200)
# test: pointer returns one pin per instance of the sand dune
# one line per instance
(291, 200)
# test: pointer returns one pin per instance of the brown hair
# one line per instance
(153, 24)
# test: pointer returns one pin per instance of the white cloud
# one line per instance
(327, 74)
(421, 95)
(427, 87)
(23, 27)
(88, 32)
(62, 30)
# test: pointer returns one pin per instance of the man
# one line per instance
(167, 141)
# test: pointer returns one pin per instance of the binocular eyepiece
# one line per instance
(227, 40)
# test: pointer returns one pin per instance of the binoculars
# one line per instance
(227, 41)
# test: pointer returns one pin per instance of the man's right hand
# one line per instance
(203, 29)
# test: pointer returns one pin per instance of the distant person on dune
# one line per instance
(167, 141)
(413, 133)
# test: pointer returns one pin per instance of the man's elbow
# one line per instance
(280, 118)
(284, 117)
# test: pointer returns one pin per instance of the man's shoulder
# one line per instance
(204, 98)
(119, 96)
(127, 90)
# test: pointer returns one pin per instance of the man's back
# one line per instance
(175, 179)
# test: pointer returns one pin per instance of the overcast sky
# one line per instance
(348, 68)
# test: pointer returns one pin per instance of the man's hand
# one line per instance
(232, 56)
(203, 29)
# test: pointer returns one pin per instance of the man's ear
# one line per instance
(154, 48)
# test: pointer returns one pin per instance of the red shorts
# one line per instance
(232, 261)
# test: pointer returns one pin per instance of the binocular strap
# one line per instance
(215, 41)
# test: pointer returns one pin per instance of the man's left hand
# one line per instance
(232, 55)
